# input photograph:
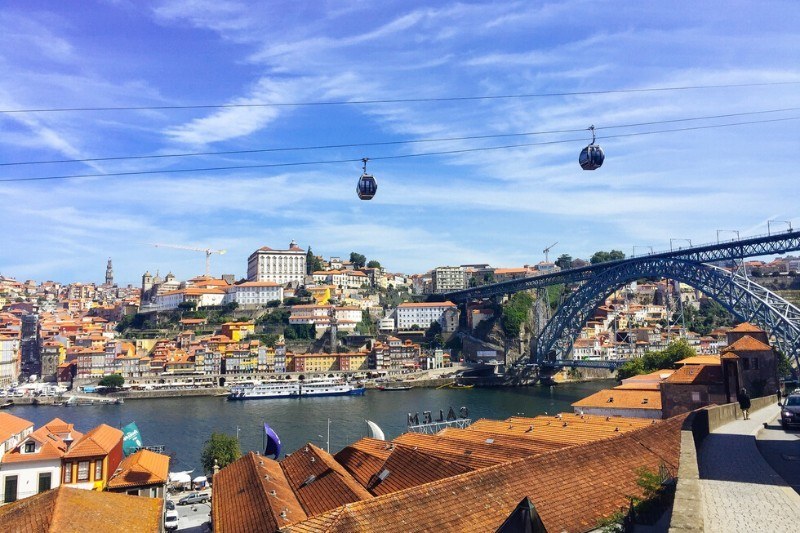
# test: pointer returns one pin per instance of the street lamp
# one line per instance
(672, 240)
(788, 223)
(736, 231)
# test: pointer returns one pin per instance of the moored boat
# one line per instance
(295, 389)
(395, 387)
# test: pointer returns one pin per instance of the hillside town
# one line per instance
(299, 313)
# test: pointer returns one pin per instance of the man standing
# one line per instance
(744, 403)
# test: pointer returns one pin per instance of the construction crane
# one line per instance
(546, 252)
(207, 251)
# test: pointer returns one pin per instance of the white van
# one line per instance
(171, 520)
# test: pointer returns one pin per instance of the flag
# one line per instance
(131, 439)
(375, 431)
(273, 446)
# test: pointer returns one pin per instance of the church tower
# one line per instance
(109, 274)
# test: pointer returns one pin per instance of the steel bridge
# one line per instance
(745, 299)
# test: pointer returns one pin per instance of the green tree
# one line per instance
(115, 381)
(652, 361)
(313, 264)
(602, 257)
(188, 306)
(373, 264)
(515, 312)
(358, 260)
(564, 261)
(222, 447)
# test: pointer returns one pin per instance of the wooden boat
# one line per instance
(6, 404)
(395, 387)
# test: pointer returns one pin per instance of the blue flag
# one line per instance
(273, 446)
(131, 439)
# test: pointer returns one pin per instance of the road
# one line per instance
(192, 518)
(781, 449)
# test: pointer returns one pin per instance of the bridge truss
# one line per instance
(745, 299)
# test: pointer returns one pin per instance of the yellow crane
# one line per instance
(207, 251)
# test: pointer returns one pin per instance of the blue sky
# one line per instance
(496, 206)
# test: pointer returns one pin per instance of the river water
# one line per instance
(182, 425)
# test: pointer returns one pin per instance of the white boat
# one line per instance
(267, 389)
(294, 389)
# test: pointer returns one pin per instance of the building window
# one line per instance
(83, 471)
(745, 363)
(755, 363)
(30, 447)
(10, 489)
(68, 473)
(98, 470)
(696, 397)
(44, 481)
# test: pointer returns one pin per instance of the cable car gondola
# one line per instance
(367, 186)
(592, 156)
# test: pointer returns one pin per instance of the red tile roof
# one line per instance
(11, 425)
(252, 494)
(572, 489)
(98, 441)
(697, 374)
(319, 482)
(70, 510)
(142, 468)
(747, 344)
(408, 467)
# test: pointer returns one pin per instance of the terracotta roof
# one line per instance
(568, 497)
(11, 425)
(70, 510)
(319, 482)
(142, 468)
(364, 458)
(700, 360)
(697, 374)
(622, 399)
(640, 385)
(98, 441)
(51, 443)
(252, 494)
(747, 344)
(409, 467)
(746, 327)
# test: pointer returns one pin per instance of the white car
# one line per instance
(171, 520)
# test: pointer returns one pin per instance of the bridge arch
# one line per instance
(745, 299)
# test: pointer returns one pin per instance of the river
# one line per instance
(182, 425)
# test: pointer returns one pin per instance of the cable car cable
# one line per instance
(389, 157)
(391, 143)
(396, 100)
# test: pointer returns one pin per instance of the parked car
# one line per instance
(170, 505)
(171, 520)
(790, 412)
(194, 497)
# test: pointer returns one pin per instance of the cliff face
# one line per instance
(508, 349)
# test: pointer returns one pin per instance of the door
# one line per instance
(10, 489)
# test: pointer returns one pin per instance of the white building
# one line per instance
(9, 360)
(342, 279)
(447, 278)
(277, 266)
(201, 298)
(346, 317)
(254, 293)
(422, 314)
(34, 465)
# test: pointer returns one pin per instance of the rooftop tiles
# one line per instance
(142, 468)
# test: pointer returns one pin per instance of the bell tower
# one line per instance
(109, 273)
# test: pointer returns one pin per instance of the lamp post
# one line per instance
(672, 240)
(787, 222)
(736, 231)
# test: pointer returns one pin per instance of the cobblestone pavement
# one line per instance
(741, 492)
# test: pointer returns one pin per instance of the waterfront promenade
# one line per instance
(740, 490)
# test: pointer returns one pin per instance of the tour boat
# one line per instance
(294, 389)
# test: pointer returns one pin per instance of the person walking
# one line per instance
(744, 403)
(779, 395)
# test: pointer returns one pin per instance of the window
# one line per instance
(755, 363)
(11, 489)
(83, 471)
(696, 396)
(745, 363)
(68, 473)
(98, 470)
(30, 447)
(44, 481)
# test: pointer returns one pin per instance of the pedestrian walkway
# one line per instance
(740, 491)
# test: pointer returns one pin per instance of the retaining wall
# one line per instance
(687, 509)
